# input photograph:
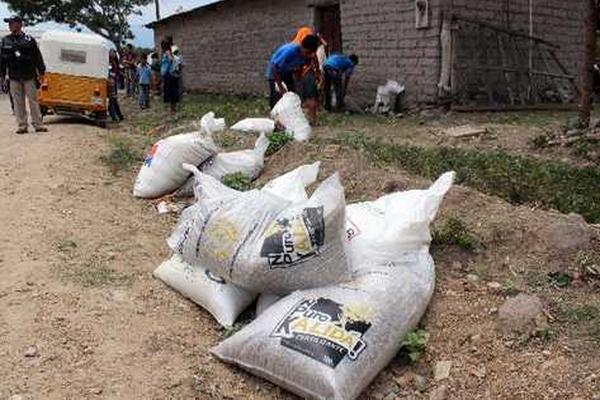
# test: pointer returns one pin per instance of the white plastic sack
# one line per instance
(209, 124)
(255, 125)
(397, 222)
(248, 162)
(162, 171)
(224, 301)
(330, 343)
(288, 112)
(262, 242)
(386, 97)
(265, 301)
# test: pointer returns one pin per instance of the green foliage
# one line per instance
(238, 181)
(356, 140)
(583, 316)
(415, 344)
(517, 179)
(277, 140)
(540, 141)
(455, 232)
(560, 279)
(122, 154)
(509, 289)
(229, 331)
(95, 272)
(67, 245)
(589, 265)
(107, 18)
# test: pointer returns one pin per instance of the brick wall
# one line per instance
(557, 21)
(383, 34)
(227, 46)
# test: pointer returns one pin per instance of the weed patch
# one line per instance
(514, 178)
(94, 272)
(586, 317)
(455, 232)
(238, 181)
(277, 140)
(122, 154)
(414, 345)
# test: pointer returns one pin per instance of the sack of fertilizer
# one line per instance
(255, 125)
(221, 299)
(330, 343)
(264, 301)
(263, 242)
(247, 162)
(399, 221)
(288, 112)
(162, 171)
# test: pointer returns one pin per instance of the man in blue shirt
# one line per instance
(285, 63)
(338, 70)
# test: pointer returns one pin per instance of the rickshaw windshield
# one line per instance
(75, 54)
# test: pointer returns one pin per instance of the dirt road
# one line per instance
(80, 315)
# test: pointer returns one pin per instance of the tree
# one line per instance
(107, 18)
(587, 65)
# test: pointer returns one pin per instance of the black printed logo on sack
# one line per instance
(290, 241)
(324, 330)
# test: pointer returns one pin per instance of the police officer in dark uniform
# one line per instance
(21, 60)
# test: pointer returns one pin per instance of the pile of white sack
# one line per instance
(162, 172)
(340, 286)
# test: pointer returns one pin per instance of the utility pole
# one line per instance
(587, 65)
(157, 6)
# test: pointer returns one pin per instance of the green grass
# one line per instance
(122, 155)
(277, 140)
(94, 272)
(455, 232)
(238, 181)
(585, 317)
(517, 179)
(414, 345)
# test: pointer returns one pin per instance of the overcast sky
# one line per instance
(143, 36)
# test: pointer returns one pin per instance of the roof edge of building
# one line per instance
(194, 10)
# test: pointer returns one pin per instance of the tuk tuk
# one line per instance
(76, 78)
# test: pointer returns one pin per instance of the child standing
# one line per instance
(144, 75)
(113, 84)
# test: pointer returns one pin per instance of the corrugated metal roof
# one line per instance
(185, 13)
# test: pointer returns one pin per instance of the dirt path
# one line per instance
(81, 317)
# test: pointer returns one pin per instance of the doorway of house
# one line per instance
(328, 23)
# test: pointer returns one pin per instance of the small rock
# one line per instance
(439, 393)
(17, 397)
(390, 396)
(96, 391)
(441, 370)
(523, 315)
(32, 351)
(475, 338)
(571, 233)
(479, 372)
(472, 278)
(420, 382)
(494, 285)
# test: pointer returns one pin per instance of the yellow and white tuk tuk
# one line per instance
(76, 78)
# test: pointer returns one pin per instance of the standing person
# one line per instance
(286, 62)
(155, 66)
(338, 70)
(310, 76)
(178, 67)
(168, 72)
(129, 69)
(114, 109)
(144, 76)
(22, 61)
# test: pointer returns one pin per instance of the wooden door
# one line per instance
(328, 23)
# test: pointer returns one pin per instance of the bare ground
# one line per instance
(82, 318)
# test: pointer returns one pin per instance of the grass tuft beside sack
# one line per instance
(330, 343)
(263, 242)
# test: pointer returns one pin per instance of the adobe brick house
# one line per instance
(423, 44)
